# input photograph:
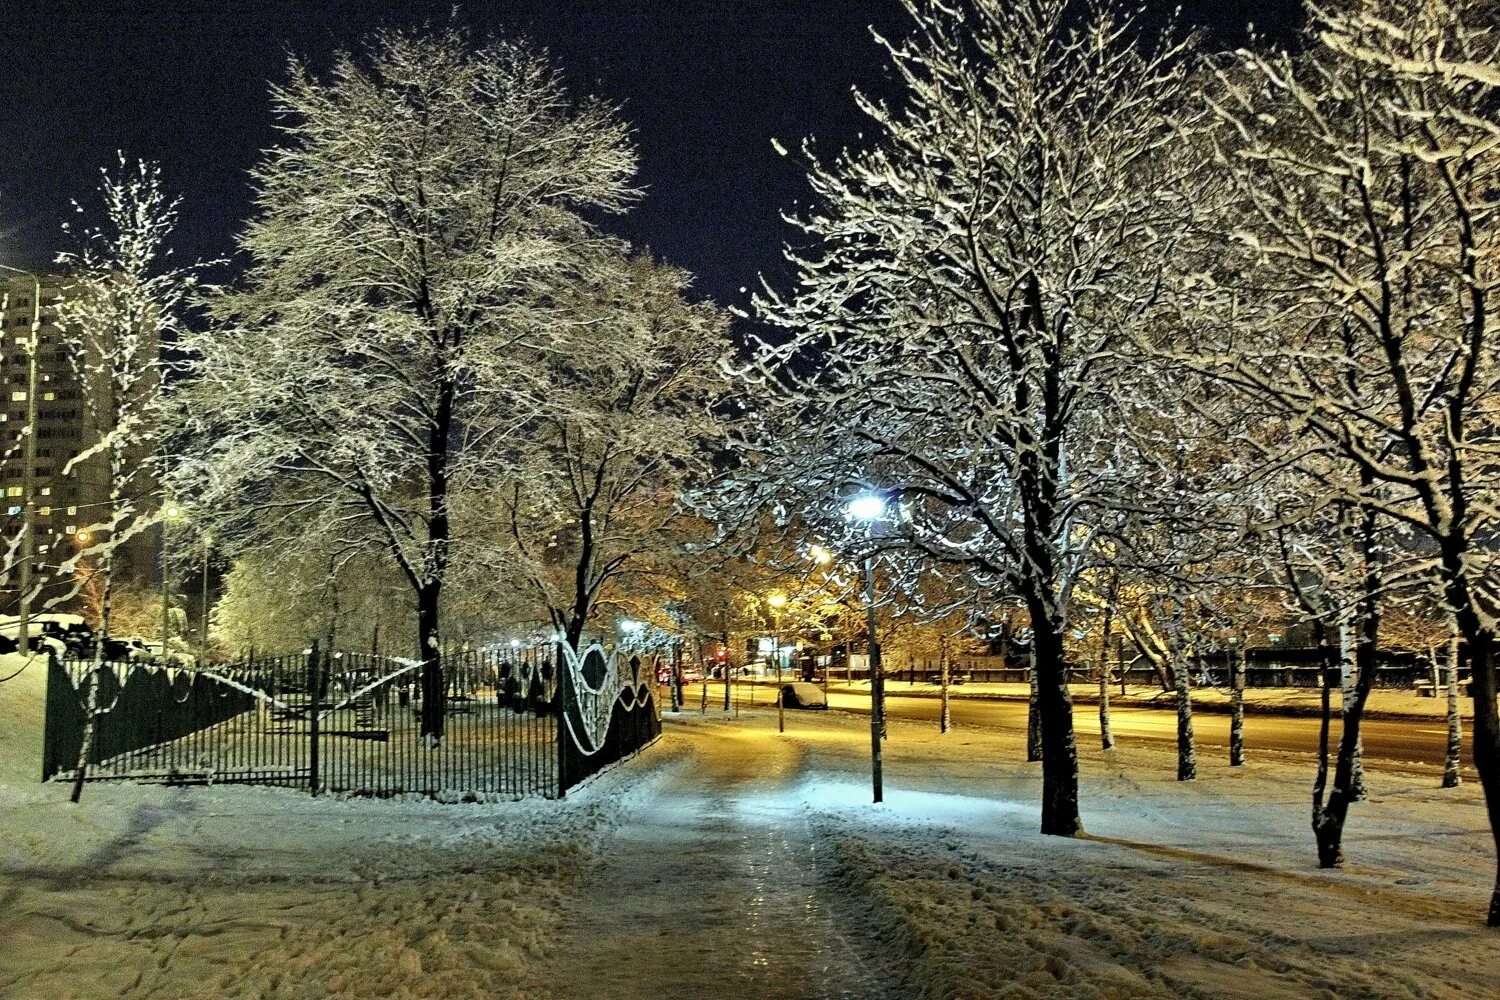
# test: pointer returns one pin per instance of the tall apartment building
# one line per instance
(67, 500)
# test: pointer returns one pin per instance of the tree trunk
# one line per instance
(1329, 819)
(945, 719)
(434, 712)
(1187, 755)
(728, 665)
(1348, 678)
(1106, 734)
(1479, 645)
(1320, 782)
(1451, 776)
(677, 677)
(1237, 706)
(1055, 709)
(435, 568)
(1033, 716)
(91, 731)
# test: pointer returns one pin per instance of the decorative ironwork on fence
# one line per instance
(351, 723)
(610, 710)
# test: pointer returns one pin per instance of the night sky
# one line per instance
(705, 83)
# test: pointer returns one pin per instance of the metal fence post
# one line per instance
(313, 680)
(560, 665)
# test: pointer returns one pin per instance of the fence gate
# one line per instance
(351, 722)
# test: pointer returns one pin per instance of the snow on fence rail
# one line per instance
(351, 722)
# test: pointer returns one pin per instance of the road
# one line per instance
(1386, 741)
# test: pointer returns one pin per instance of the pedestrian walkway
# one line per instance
(713, 889)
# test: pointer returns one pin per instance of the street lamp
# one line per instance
(171, 513)
(28, 475)
(208, 545)
(777, 602)
(869, 509)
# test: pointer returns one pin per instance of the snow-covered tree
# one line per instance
(1365, 173)
(412, 235)
(346, 598)
(121, 305)
(591, 512)
(973, 279)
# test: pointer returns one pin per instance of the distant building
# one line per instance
(68, 500)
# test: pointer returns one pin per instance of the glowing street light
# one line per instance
(867, 507)
(820, 555)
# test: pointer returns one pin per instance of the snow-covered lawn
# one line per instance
(1207, 888)
(233, 891)
(1383, 703)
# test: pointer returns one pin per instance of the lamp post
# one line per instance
(208, 543)
(777, 602)
(28, 474)
(823, 557)
(170, 513)
(869, 509)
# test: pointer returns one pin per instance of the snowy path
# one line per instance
(715, 887)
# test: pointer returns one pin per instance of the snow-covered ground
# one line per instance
(232, 891)
(1383, 703)
(730, 861)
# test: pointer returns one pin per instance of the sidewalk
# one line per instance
(1383, 703)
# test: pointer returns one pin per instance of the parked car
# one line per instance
(71, 633)
(174, 658)
(802, 695)
(127, 650)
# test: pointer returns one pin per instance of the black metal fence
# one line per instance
(350, 723)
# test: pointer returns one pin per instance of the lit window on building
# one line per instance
(71, 528)
(14, 510)
(44, 511)
(71, 512)
(15, 491)
(18, 396)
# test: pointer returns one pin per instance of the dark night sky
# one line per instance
(705, 83)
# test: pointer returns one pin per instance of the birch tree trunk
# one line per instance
(1106, 735)
(1237, 706)
(944, 720)
(1033, 719)
(1348, 678)
(1451, 776)
(1187, 756)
